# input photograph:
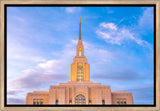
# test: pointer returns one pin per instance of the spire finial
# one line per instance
(79, 20)
(79, 28)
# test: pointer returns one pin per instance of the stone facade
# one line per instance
(79, 90)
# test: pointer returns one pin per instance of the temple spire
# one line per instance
(79, 28)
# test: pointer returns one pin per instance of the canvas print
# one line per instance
(80, 55)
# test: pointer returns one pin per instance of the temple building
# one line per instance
(79, 90)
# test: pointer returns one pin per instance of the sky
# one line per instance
(118, 43)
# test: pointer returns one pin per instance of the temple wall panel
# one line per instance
(122, 97)
(61, 95)
(87, 71)
(67, 95)
(38, 97)
(52, 96)
(107, 95)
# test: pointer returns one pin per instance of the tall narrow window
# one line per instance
(34, 101)
(90, 102)
(38, 101)
(70, 101)
(41, 102)
(124, 102)
(80, 73)
(56, 102)
(103, 102)
(80, 51)
(76, 101)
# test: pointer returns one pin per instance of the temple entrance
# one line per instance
(80, 99)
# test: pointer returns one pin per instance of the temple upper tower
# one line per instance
(80, 69)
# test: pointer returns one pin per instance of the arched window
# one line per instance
(80, 99)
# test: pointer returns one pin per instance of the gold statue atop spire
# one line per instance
(79, 20)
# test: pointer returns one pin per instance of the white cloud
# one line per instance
(51, 65)
(72, 9)
(146, 20)
(28, 71)
(18, 52)
(117, 35)
(111, 26)
(113, 34)
(109, 11)
(74, 42)
(104, 35)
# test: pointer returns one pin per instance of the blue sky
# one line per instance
(118, 43)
